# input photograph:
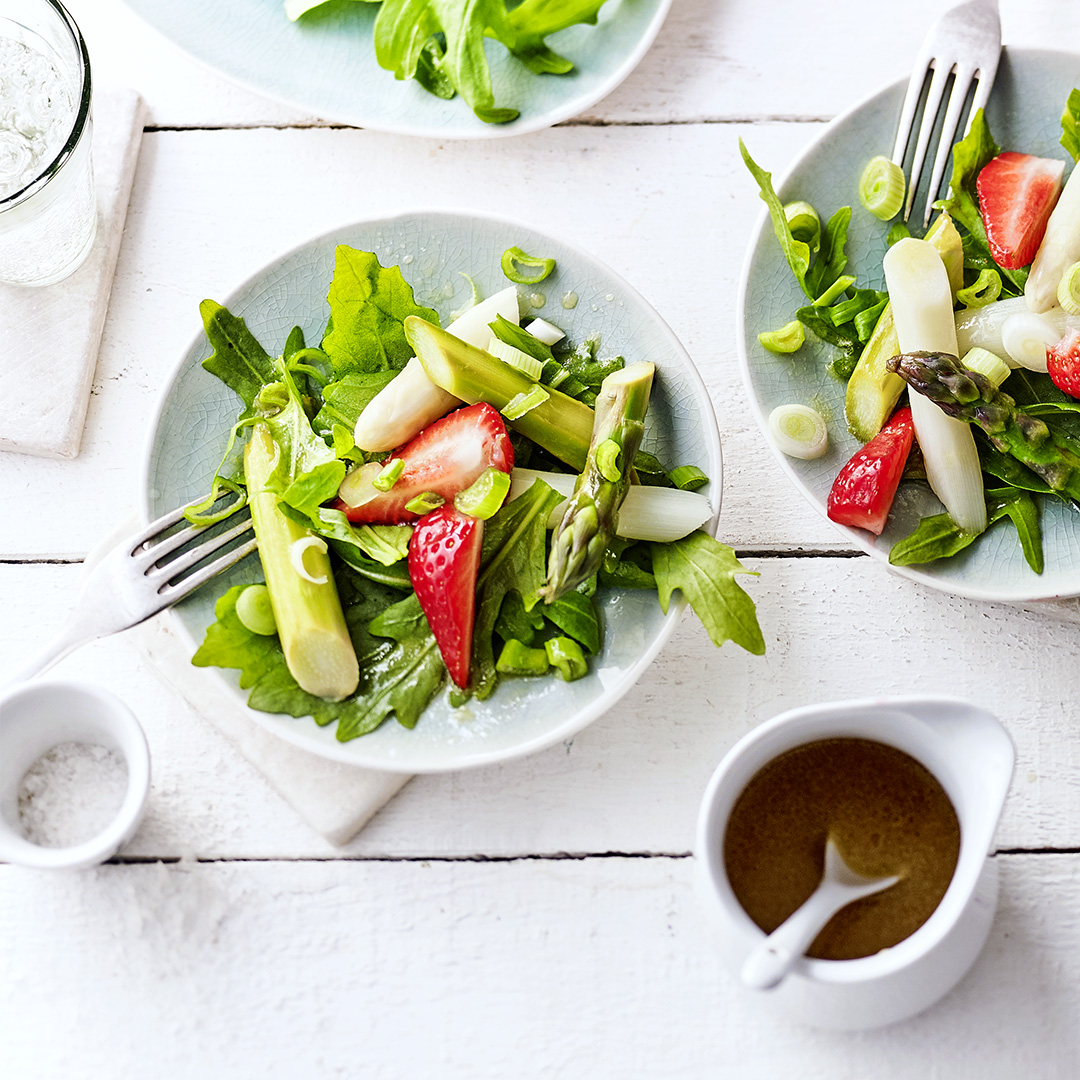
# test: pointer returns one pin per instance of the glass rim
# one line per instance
(82, 114)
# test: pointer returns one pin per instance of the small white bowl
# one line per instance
(36, 717)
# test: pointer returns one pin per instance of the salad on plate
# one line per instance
(963, 372)
(443, 507)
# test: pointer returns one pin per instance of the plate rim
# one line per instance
(610, 696)
(485, 131)
(857, 536)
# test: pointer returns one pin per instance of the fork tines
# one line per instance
(964, 45)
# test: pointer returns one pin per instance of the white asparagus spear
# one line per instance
(405, 406)
(1059, 249)
(922, 310)
(647, 513)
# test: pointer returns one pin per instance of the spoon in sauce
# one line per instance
(771, 961)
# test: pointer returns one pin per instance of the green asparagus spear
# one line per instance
(592, 513)
(559, 424)
(969, 396)
(314, 638)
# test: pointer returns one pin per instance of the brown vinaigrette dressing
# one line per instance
(885, 812)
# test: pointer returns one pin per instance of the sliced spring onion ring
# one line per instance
(516, 358)
(987, 363)
(899, 231)
(389, 474)
(525, 402)
(1026, 336)
(788, 339)
(565, 655)
(254, 611)
(424, 503)
(688, 477)
(607, 461)
(1068, 290)
(798, 431)
(544, 331)
(296, 556)
(985, 290)
(881, 187)
(804, 223)
(514, 256)
(484, 495)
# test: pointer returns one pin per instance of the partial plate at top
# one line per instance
(325, 64)
(1024, 114)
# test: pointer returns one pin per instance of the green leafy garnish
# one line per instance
(238, 359)
(368, 304)
(1070, 125)
(939, 537)
(512, 560)
(970, 155)
(704, 570)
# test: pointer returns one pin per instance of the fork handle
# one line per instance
(67, 641)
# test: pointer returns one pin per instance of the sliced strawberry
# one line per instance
(446, 457)
(863, 491)
(444, 557)
(1017, 192)
(1063, 363)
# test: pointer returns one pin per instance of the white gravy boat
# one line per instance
(972, 757)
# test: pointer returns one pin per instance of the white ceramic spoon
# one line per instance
(773, 958)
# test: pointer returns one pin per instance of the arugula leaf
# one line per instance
(573, 613)
(704, 570)
(970, 154)
(1070, 125)
(345, 399)
(405, 28)
(399, 677)
(386, 544)
(368, 304)
(514, 622)
(795, 251)
(939, 537)
(238, 359)
(526, 26)
(512, 560)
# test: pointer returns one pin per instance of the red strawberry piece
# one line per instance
(1017, 192)
(863, 492)
(444, 557)
(446, 457)
(1063, 363)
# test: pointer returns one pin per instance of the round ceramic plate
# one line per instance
(1024, 114)
(325, 64)
(196, 411)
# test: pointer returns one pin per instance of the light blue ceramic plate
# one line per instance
(325, 64)
(1024, 114)
(196, 411)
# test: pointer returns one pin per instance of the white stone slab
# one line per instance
(50, 336)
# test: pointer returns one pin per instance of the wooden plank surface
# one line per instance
(536, 968)
(212, 207)
(713, 60)
(835, 628)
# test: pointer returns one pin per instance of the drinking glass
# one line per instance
(48, 212)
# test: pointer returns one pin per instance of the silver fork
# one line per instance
(138, 578)
(966, 43)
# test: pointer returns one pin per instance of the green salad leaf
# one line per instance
(1070, 125)
(368, 304)
(512, 560)
(939, 537)
(970, 155)
(400, 666)
(527, 25)
(238, 359)
(704, 570)
(345, 399)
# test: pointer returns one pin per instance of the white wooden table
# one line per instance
(534, 919)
